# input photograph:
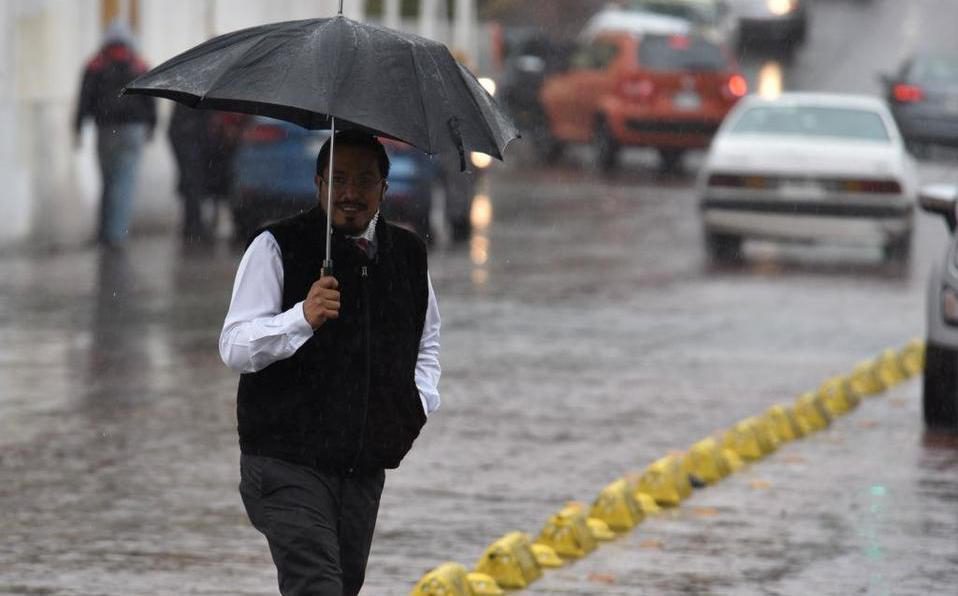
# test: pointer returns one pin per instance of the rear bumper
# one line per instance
(688, 133)
(941, 129)
(809, 221)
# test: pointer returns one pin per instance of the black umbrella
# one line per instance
(338, 73)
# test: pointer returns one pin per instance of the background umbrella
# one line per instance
(337, 73)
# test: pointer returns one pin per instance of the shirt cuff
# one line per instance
(299, 331)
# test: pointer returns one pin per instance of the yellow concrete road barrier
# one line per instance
(732, 460)
(913, 357)
(764, 430)
(865, 380)
(510, 561)
(812, 412)
(890, 369)
(568, 533)
(665, 481)
(546, 556)
(617, 507)
(704, 461)
(483, 585)
(448, 579)
(785, 423)
(601, 530)
(743, 440)
(837, 396)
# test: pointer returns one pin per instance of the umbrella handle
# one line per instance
(327, 269)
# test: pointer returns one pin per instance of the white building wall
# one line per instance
(50, 193)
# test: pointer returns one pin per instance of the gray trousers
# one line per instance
(319, 526)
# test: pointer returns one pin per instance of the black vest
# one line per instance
(346, 401)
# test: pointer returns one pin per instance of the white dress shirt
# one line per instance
(257, 333)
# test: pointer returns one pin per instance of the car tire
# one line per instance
(940, 387)
(670, 160)
(898, 251)
(723, 248)
(606, 147)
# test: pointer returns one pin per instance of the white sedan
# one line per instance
(808, 167)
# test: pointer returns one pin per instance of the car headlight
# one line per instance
(781, 8)
(488, 84)
(480, 160)
(949, 305)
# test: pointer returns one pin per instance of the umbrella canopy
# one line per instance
(365, 76)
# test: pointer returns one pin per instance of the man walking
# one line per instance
(124, 124)
(339, 371)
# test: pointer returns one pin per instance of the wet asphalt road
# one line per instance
(584, 336)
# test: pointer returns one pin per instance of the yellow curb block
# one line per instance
(784, 421)
(913, 357)
(617, 507)
(812, 412)
(837, 396)
(513, 562)
(704, 461)
(510, 561)
(665, 481)
(448, 579)
(568, 533)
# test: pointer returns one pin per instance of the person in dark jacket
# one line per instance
(189, 135)
(339, 370)
(123, 125)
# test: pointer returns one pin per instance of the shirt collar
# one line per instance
(370, 233)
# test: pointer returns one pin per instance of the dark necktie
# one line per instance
(363, 245)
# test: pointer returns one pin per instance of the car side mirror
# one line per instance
(941, 199)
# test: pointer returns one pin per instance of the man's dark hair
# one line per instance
(353, 138)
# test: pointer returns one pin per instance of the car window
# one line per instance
(810, 121)
(680, 52)
(596, 55)
(705, 13)
(934, 69)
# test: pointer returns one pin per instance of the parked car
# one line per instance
(923, 95)
(642, 81)
(771, 21)
(808, 167)
(940, 377)
(276, 162)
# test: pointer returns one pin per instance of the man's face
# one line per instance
(358, 188)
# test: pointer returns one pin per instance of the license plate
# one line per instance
(802, 189)
(686, 100)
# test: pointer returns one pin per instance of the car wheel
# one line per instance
(670, 160)
(723, 248)
(940, 387)
(606, 147)
(898, 250)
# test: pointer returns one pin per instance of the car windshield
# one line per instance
(696, 12)
(849, 123)
(935, 69)
(680, 52)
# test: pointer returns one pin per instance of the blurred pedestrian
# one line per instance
(226, 132)
(189, 135)
(123, 124)
(339, 372)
